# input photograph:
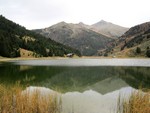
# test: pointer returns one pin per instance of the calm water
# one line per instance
(78, 74)
(89, 82)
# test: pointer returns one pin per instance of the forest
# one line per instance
(13, 37)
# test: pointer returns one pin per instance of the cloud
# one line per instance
(43, 13)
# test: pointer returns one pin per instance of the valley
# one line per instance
(74, 56)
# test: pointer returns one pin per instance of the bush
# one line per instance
(138, 50)
(106, 54)
(148, 53)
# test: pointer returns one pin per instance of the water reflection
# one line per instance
(102, 79)
(84, 89)
(88, 101)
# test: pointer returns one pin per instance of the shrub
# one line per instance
(148, 53)
(138, 50)
(106, 54)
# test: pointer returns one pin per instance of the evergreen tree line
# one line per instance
(12, 39)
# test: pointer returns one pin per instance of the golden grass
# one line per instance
(14, 100)
(138, 102)
(26, 53)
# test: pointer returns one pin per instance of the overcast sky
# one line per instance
(35, 14)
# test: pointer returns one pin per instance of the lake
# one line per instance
(86, 85)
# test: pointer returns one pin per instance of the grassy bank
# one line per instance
(4, 59)
(15, 100)
(138, 102)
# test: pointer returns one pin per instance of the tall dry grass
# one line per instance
(138, 102)
(14, 100)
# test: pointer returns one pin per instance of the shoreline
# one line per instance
(4, 59)
(83, 61)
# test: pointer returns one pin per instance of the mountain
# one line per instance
(134, 42)
(109, 29)
(15, 38)
(137, 30)
(78, 36)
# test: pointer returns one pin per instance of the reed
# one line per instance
(14, 100)
(138, 102)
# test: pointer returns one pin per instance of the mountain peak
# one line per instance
(62, 23)
(78, 36)
(84, 25)
(109, 29)
(81, 23)
(15, 35)
(103, 21)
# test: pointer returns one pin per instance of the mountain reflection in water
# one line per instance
(103, 79)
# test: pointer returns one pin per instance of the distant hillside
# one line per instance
(14, 38)
(137, 30)
(109, 29)
(135, 42)
(87, 41)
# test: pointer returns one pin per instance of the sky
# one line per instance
(35, 14)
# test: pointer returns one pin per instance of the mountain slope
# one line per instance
(136, 30)
(109, 29)
(13, 37)
(77, 36)
(137, 37)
